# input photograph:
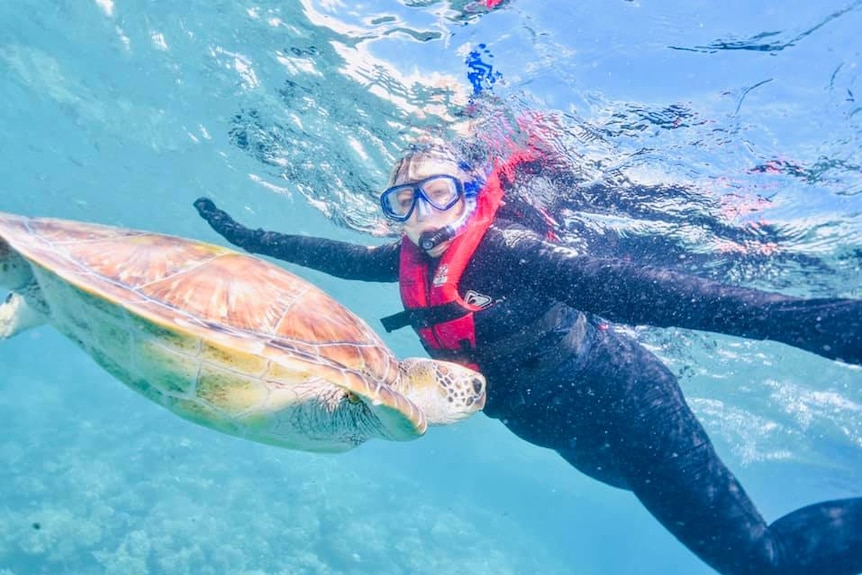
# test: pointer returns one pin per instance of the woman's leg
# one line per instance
(616, 413)
(667, 460)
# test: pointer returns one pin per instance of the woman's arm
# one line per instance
(340, 259)
(626, 292)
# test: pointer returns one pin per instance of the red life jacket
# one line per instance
(429, 287)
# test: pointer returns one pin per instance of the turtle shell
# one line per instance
(208, 301)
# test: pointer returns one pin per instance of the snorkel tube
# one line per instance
(433, 238)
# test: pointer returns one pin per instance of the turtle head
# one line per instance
(446, 392)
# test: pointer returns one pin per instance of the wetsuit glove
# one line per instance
(287, 247)
(226, 226)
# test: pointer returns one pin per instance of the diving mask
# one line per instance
(440, 191)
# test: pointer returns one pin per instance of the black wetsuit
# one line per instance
(560, 377)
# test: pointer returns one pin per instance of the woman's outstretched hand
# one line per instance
(287, 247)
(221, 222)
(210, 212)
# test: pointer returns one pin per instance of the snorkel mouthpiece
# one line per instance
(432, 238)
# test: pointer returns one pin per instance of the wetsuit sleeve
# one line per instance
(625, 292)
(339, 259)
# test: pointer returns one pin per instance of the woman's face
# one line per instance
(426, 217)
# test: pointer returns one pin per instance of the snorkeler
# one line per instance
(486, 291)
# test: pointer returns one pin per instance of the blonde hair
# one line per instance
(426, 160)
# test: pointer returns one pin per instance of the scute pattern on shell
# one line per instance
(215, 293)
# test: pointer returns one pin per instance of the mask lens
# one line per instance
(398, 201)
(441, 191)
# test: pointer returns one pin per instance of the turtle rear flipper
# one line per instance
(17, 315)
(24, 306)
(15, 272)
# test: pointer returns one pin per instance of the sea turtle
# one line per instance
(221, 338)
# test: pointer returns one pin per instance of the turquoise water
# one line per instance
(743, 120)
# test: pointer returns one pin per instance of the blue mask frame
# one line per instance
(418, 188)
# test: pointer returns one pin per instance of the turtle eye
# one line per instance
(478, 385)
(352, 397)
